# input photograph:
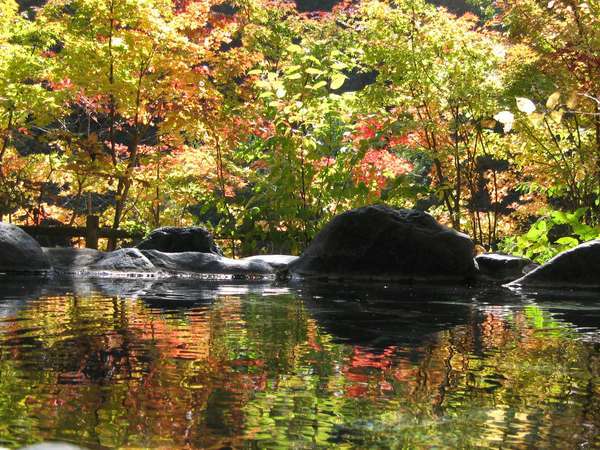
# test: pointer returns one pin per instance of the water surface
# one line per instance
(195, 364)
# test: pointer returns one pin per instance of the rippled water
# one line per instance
(194, 364)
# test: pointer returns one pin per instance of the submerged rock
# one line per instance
(575, 268)
(123, 260)
(277, 262)
(379, 242)
(72, 259)
(177, 240)
(502, 267)
(53, 446)
(19, 252)
(205, 263)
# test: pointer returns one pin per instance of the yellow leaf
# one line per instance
(337, 80)
(553, 100)
(293, 48)
(572, 100)
(536, 118)
(556, 116)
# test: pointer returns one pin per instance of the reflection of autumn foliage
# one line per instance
(361, 367)
(260, 370)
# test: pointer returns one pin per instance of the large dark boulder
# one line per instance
(379, 242)
(496, 266)
(19, 252)
(177, 240)
(575, 268)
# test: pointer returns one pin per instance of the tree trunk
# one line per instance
(123, 191)
(5, 142)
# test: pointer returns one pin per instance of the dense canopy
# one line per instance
(262, 119)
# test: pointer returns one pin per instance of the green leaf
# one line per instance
(337, 80)
(313, 71)
(568, 241)
(291, 69)
(339, 66)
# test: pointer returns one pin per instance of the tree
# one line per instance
(25, 99)
(557, 111)
(438, 84)
(141, 69)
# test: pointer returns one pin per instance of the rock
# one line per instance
(72, 259)
(19, 252)
(502, 267)
(379, 242)
(277, 262)
(123, 260)
(575, 268)
(52, 446)
(176, 240)
(205, 263)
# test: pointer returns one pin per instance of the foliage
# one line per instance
(262, 122)
(552, 234)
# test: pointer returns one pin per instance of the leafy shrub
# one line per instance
(552, 234)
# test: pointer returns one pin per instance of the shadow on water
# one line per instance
(376, 315)
(15, 291)
(382, 315)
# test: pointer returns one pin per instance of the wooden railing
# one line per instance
(91, 232)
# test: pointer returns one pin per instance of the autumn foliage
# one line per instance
(262, 120)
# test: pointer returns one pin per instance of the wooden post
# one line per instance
(92, 224)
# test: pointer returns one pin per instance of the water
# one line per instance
(193, 364)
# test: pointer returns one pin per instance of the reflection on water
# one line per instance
(147, 363)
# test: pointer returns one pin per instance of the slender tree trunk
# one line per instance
(5, 141)
(597, 123)
(123, 192)
(126, 180)
(304, 197)
(112, 242)
(111, 81)
(221, 180)
(458, 169)
(156, 209)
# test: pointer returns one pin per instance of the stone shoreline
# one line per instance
(374, 243)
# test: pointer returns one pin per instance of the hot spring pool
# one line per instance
(191, 364)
